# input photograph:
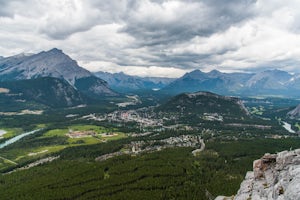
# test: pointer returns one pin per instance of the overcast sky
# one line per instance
(156, 37)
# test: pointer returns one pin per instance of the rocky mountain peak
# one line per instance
(214, 73)
(55, 50)
(195, 74)
(52, 63)
(56, 64)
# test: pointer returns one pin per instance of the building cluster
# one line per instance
(124, 116)
(183, 141)
(156, 145)
(212, 117)
(136, 147)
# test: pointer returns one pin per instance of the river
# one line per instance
(16, 138)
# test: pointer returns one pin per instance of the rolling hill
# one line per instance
(205, 103)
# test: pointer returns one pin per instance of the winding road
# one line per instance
(202, 147)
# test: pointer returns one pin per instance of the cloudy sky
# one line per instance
(157, 37)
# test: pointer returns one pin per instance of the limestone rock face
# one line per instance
(274, 177)
(294, 113)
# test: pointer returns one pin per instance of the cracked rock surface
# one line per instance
(274, 176)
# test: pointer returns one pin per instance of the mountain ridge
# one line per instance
(126, 83)
(269, 82)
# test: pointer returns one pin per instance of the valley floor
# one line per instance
(135, 153)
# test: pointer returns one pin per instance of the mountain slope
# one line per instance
(200, 103)
(294, 83)
(270, 79)
(295, 113)
(53, 63)
(125, 83)
(92, 86)
(49, 91)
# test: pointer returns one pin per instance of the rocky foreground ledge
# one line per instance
(274, 177)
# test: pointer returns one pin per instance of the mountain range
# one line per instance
(18, 72)
(125, 83)
(269, 82)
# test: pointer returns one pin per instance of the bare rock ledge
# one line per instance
(274, 177)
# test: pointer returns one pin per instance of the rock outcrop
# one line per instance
(294, 113)
(274, 177)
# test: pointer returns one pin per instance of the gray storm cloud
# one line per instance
(170, 36)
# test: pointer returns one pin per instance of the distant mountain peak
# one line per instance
(122, 73)
(196, 71)
(269, 79)
(195, 74)
(214, 71)
(55, 50)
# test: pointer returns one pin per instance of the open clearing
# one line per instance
(53, 141)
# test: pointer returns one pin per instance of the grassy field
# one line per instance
(11, 132)
(50, 141)
(100, 136)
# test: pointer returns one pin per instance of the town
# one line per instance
(137, 147)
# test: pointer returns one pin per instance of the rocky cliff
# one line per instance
(294, 113)
(274, 177)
